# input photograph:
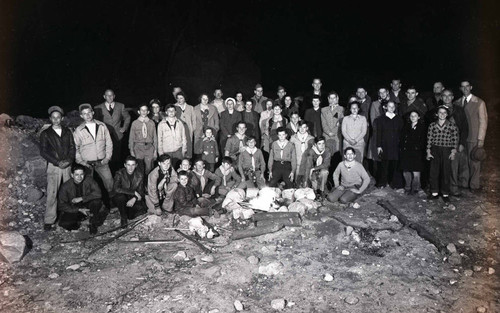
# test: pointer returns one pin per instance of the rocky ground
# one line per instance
(341, 259)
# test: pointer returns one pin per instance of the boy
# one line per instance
(226, 172)
(282, 160)
(251, 165)
(317, 161)
(143, 140)
(185, 200)
(162, 182)
(209, 149)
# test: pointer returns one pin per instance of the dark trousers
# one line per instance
(386, 172)
(98, 214)
(440, 174)
(126, 212)
(281, 171)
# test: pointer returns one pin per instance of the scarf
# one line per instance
(390, 115)
(252, 153)
(144, 120)
(241, 138)
(294, 127)
(319, 160)
(203, 181)
(303, 141)
(282, 147)
(209, 138)
(224, 174)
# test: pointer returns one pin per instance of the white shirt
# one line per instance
(92, 128)
(112, 105)
(58, 131)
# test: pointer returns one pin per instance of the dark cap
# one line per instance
(478, 154)
(84, 106)
(55, 108)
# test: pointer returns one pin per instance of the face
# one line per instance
(281, 93)
(295, 118)
(282, 136)
(303, 129)
(277, 110)
(183, 179)
(466, 88)
(204, 99)
(333, 99)
(442, 114)
(208, 133)
(171, 112)
(230, 104)
(78, 176)
(165, 165)
(156, 108)
(176, 90)
(248, 106)
(354, 109)
(109, 96)
(258, 92)
(411, 94)
(226, 166)
(56, 118)
(391, 107)
(288, 100)
(316, 84)
(239, 97)
(130, 166)
(414, 117)
(316, 103)
(87, 115)
(396, 85)
(218, 93)
(251, 143)
(438, 88)
(321, 145)
(143, 111)
(361, 93)
(447, 97)
(349, 155)
(199, 166)
(185, 165)
(242, 128)
(382, 93)
(269, 105)
(181, 99)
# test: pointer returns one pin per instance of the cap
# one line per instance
(84, 106)
(478, 154)
(55, 108)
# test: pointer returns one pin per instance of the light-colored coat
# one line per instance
(171, 139)
(88, 149)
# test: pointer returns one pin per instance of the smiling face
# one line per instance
(171, 112)
(230, 105)
(361, 93)
(466, 88)
(56, 118)
(442, 114)
(349, 155)
(239, 97)
(383, 93)
(354, 109)
(241, 129)
(87, 115)
(414, 117)
(248, 106)
(165, 165)
(183, 179)
(281, 93)
(277, 110)
(295, 118)
(333, 99)
(438, 88)
(391, 107)
(258, 92)
(269, 105)
(321, 145)
(109, 96)
(282, 136)
(144, 111)
(180, 99)
(156, 108)
(447, 97)
(199, 166)
(316, 84)
(303, 128)
(288, 100)
(204, 99)
(185, 166)
(395, 85)
(411, 94)
(218, 94)
(78, 176)
(251, 143)
(130, 166)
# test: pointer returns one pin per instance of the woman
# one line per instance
(155, 112)
(205, 116)
(228, 120)
(388, 131)
(290, 107)
(302, 141)
(240, 104)
(251, 117)
(269, 134)
(185, 113)
(413, 140)
(354, 127)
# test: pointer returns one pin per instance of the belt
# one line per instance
(285, 162)
(144, 143)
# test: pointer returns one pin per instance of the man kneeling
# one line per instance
(354, 179)
(77, 197)
(162, 182)
(129, 191)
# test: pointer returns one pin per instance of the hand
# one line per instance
(216, 159)
(228, 136)
(429, 156)
(311, 173)
(64, 164)
(131, 202)
(380, 150)
(356, 191)
(262, 176)
(104, 161)
(205, 152)
(138, 195)
(161, 184)
(331, 134)
(340, 188)
(77, 200)
(461, 148)
(84, 211)
(122, 130)
(243, 178)
(205, 195)
(132, 153)
(480, 143)
(270, 175)
(86, 164)
(154, 154)
(452, 154)
(291, 176)
(212, 191)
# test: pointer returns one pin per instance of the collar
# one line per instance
(349, 164)
(315, 149)
(240, 137)
(143, 119)
(209, 138)
(468, 97)
(251, 151)
(390, 115)
(224, 172)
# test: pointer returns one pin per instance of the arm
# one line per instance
(217, 180)
(294, 158)
(483, 123)
(365, 177)
(131, 138)
(326, 161)
(109, 142)
(240, 167)
(160, 138)
(126, 120)
(262, 163)
(44, 148)
(271, 159)
(216, 121)
(153, 189)
(184, 139)
(235, 176)
(344, 130)
(327, 127)
(78, 144)
(64, 201)
(118, 185)
(72, 148)
(95, 191)
(155, 139)
(336, 176)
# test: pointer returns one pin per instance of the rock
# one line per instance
(304, 193)
(6, 120)
(278, 304)
(283, 209)
(53, 275)
(153, 219)
(393, 219)
(451, 248)
(310, 204)
(36, 168)
(455, 259)
(287, 194)
(481, 309)
(491, 271)
(468, 273)
(356, 205)
(180, 255)
(348, 230)
(477, 268)
(345, 252)
(355, 236)
(271, 269)
(253, 260)
(208, 258)
(214, 311)
(212, 272)
(45, 247)
(73, 267)
(33, 195)
(238, 305)
(351, 300)
(453, 282)
(13, 246)
(298, 207)
(328, 277)
(28, 122)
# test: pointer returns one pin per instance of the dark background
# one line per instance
(68, 52)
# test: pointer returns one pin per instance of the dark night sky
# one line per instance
(66, 53)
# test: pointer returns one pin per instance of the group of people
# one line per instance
(181, 158)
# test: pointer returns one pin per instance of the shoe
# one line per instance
(408, 192)
(93, 229)
(446, 199)
(124, 223)
(48, 227)
(433, 197)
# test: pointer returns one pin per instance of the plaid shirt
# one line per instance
(445, 136)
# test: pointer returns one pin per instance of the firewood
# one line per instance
(257, 231)
(275, 215)
(285, 221)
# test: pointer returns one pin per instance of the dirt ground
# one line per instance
(380, 267)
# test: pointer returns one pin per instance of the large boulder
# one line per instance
(287, 194)
(6, 120)
(13, 246)
(310, 204)
(298, 207)
(28, 122)
(304, 193)
(233, 196)
(36, 168)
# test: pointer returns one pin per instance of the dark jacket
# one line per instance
(55, 149)
(460, 119)
(413, 139)
(388, 133)
(313, 120)
(417, 105)
(310, 157)
(69, 191)
(228, 123)
(184, 198)
(124, 185)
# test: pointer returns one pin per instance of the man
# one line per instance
(77, 197)
(218, 101)
(117, 119)
(282, 160)
(172, 137)
(175, 91)
(94, 147)
(353, 179)
(376, 110)
(317, 163)
(477, 119)
(129, 191)
(281, 92)
(436, 99)
(395, 94)
(236, 144)
(313, 117)
(364, 102)
(259, 99)
(185, 113)
(162, 183)
(330, 121)
(459, 165)
(57, 147)
(411, 103)
(143, 141)
(308, 97)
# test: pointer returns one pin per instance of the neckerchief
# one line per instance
(144, 120)
(303, 141)
(252, 152)
(319, 160)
